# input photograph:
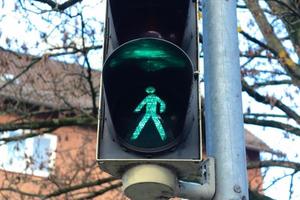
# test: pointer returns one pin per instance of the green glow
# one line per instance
(151, 101)
(150, 54)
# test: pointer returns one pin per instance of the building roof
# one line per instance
(255, 144)
(45, 82)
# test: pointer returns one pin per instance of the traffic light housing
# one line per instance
(150, 101)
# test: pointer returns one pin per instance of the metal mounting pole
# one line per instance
(225, 140)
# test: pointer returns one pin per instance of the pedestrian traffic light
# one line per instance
(147, 85)
(149, 98)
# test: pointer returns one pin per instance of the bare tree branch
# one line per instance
(100, 192)
(271, 83)
(34, 61)
(78, 187)
(256, 41)
(291, 184)
(53, 123)
(289, 12)
(256, 115)
(273, 124)
(273, 42)
(25, 136)
(10, 189)
(286, 5)
(59, 7)
(71, 189)
(276, 180)
(89, 69)
(271, 101)
(273, 163)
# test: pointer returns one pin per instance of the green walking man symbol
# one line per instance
(151, 101)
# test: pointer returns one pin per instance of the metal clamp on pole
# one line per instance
(203, 190)
(149, 182)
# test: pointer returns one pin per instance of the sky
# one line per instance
(13, 26)
(24, 31)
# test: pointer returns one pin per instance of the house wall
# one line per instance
(74, 165)
(254, 175)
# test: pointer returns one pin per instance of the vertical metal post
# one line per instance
(225, 140)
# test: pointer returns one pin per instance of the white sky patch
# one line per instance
(15, 31)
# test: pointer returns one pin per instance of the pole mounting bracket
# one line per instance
(205, 188)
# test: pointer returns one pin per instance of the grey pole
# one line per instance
(225, 140)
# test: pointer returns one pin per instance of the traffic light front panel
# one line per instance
(143, 18)
(147, 84)
(150, 110)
